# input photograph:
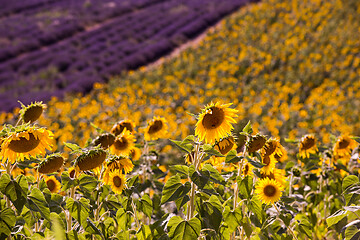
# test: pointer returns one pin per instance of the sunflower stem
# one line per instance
(288, 228)
(69, 220)
(135, 214)
(196, 163)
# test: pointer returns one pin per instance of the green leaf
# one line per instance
(247, 226)
(185, 230)
(183, 170)
(336, 217)
(87, 183)
(210, 150)
(146, 205)
(352, 233)
(255, 163)
(174, 189)
(57, 226)
(256, 207)
(67, 182)
(79, 209)
(37, 202)
(245, 187)
(232, 218)
(187, 147)
(73, 147)
(16, 191)
(248, 129)
(200, 178)
(144, 232)
(92, 229)
(349, 181)
(189, 139)
(214, 174)
(181, 201)
(305, 226)
(211, 213)
(356, 139)
(232, 158)
(7, 222)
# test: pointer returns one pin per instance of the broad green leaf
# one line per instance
(245, 187)
(145, 205)
(248, 129)
(210, 150)
(256, 207)
(181, 201)
(87, 183)
(14, 191)
(336, 217)
(92, 229)
(67, 182)
(183, 170)
(349, 181)
(144, 232)
(123, 218)
(74, 235)
(185, 230)
(255, 163)
(57, 226)
(211, 213)
(247, 226)
(352, 233)
(174, 189)
(79, 209)
(73, 147)
(37, 202)
(7, 222)
(214, 174)
(231, 157)
(187, 147)
(232, 218)
(200, 178)
(189, 139)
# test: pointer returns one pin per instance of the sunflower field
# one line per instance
(250, 133)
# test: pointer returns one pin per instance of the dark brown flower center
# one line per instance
(307, 143)
(270, 148)
(51, 184)
(23, 145)
(117, 181)
(91, 161)
(72, 173)
(32, 114)
(344, 143)
(214, 119)
(266, 160)
(105, 140)
(256, 143)
(121, 143)
(116, 130)
(269, 191)
(51, 165)
(246, 169)
(155, 127)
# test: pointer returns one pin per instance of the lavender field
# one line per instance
(52, 47)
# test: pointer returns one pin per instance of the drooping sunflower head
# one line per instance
(271, 147)
(52, 184)
(268, 190)
(307, 146)
(123, 143)
(344, 146)
(105, 140)
(281, 156)
(225, 145)
(278, 175)
(157, 128)
(247, 169)
(25, 142)
(215, 122)
(119, 127)
(117, 181)
(50, 164)
(120, 163)
(90, 159)
(269, 164)
(32, 112)
(135, 153)
(255, 143)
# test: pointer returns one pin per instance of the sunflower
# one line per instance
(247, 169)
(135, 153)
(32, 112)
(157, 128)
(281, 156)
(268, 152)
(225, 145)
(255, 143)
(29, 141)
(344, 146)
(278, 175)
(117, 181)
(123, 143)
(105, 140)
(53, 184)
(269, 164)
(51, 163)
(73, 172)
(268, 190)
(119, 127)
(307, 146)
(120, 163)
(215, 122)
(90, 160)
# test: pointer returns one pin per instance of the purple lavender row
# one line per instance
(125, 42)
(57, 20)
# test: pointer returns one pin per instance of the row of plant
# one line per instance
(230, 184)
(127, 41)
